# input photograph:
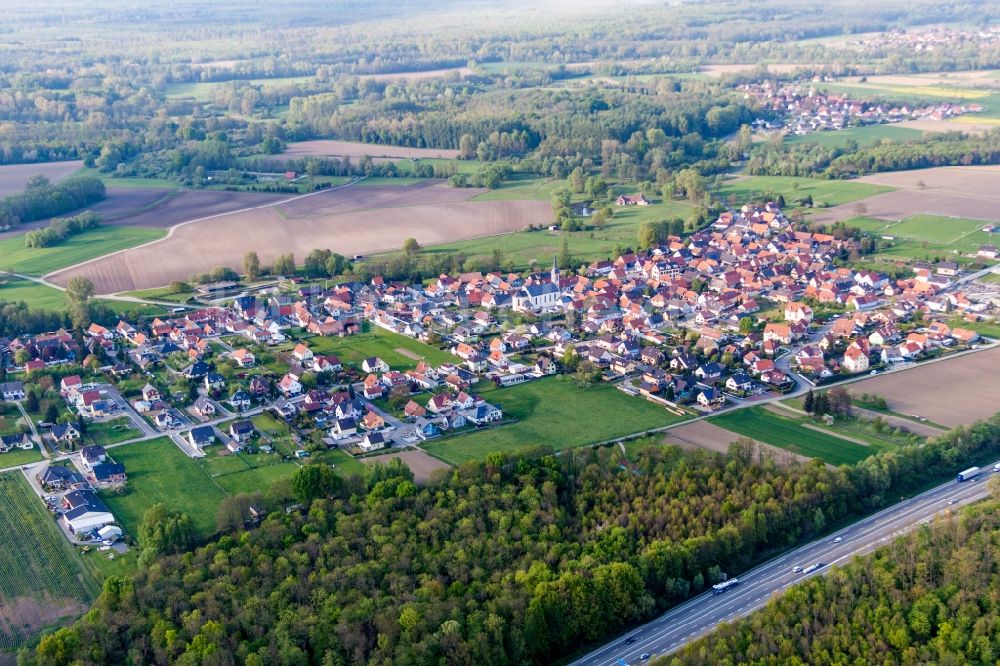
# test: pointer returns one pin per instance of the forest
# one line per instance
(927, 598)
(522, 559)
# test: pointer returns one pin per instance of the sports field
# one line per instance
(554, 411)
(957, 233)
(787, 433)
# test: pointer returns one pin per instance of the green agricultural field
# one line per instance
(585, 246)
(830, 192)
(158, 471)
(42, 579)
(863, 136)
(554, 411)
(399, 351)
(74, 250)
(523, 187)
(111, 180)
(15, 290)
(788, 433)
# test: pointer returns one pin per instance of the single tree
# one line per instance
(251, 266)
(411, 246)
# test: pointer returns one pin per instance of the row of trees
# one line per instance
(519, 559)
(59, 229)
(42, 199)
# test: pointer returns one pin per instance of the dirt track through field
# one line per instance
(348, 220)
(972, 192)
(705, 435)
(955, 392)
(421, 464)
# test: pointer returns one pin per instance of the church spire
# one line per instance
(554, 276)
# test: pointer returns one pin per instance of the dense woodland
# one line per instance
(521, 559)
(927, 598)
(99, 87)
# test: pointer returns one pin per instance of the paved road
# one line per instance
(702, 614)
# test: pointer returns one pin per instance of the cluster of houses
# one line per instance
(670, 321)
(801, 109)
(81, 508)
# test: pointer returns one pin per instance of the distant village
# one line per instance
(745, 308)
(803, 110)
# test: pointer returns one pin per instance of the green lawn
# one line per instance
(74, 250)
(830, 192)
(990, 329)
(158, 471)
(788, 433)
(9, 417)
(20, 457)
(557, 412)
(382, 343)
(111, 432)
(863, 136)
(113, 181)
(102, 564)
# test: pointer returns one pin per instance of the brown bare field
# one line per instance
(408, 354)
(161, 208)
(353, 149)
(705, 435)
(421, 464)
(13, 177)
(972, 192)
(954, 392)
(26, 616)
(777, 68)
(346, 220)
(417, 76)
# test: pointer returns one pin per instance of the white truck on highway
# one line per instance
(967, 474)
(719, 588)
(812, 567)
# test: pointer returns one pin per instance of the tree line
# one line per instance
(59, 229)
(928, 597)
(41, 199)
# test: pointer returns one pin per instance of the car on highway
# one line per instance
(796, 569)
(644, 656)
(952, 501)
(838, 539)
(631, 639)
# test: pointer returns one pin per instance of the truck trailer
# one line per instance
(967, 474)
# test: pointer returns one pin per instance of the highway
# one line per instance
(699, 616)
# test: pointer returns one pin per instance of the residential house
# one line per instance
(372, 441)
(201, 436)
(66, 433)
(109, 473)
(93, 455)
(21, 441)
(203, 407)
(374, 364)
(12, 391)
(242, 431)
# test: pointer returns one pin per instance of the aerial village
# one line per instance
(743, 309)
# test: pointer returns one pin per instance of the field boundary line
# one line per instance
(170, 232)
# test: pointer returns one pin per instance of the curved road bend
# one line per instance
(699, 616)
